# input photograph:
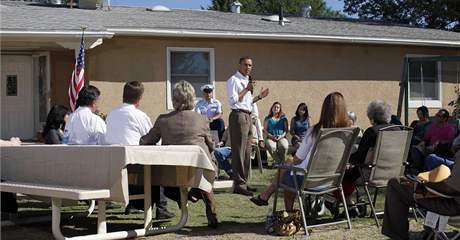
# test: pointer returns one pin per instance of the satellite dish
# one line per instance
(159, 8)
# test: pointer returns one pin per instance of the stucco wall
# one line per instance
(294, 71)
(62, 63)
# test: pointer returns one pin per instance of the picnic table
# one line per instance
(101, 168)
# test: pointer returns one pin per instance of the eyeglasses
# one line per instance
(207, 90)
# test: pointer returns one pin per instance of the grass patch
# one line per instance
(240, 219)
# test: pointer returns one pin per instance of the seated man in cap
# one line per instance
(399, 198)
(211, 108)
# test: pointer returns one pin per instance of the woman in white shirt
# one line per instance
(333, 115)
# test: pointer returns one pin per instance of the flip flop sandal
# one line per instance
(259, 201)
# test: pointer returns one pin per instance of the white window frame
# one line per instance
(169, 105)
(427, 103)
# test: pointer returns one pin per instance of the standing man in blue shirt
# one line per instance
(240, 88)
(211, 108)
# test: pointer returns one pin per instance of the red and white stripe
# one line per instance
(76, 84)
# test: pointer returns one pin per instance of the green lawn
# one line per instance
(240, 219)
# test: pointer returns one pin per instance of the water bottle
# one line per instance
(269, 224)
(65, 137)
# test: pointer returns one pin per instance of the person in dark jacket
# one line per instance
(379, 114)
(421, 125)
(55, 123)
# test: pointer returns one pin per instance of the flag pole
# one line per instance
(83, 28)
(77, 81)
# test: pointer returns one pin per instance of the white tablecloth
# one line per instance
(105, 166)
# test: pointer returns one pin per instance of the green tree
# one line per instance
(290, 7)
(439, 14)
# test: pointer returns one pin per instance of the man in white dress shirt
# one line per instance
(126, 125)
(240, 90)
(211, 108)
(83, 126)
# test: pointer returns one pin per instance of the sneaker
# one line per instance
(223, 177)
(164, 214)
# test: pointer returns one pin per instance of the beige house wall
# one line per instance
(62, 63)
(294, 71)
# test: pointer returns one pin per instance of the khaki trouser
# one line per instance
(278, 150)
(240, 136)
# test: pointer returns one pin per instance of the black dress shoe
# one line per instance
(212, 221)
(162, 214)
(132, 210)
(252, 189)
(242, 191)
(194, 195)
(111, 205)
(333, 208)
(213, 225)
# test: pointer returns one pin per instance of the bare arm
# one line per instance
(269, 136)
(219, 115)
(291, 130)
(242, 94)
(286, 127)
(263, 93)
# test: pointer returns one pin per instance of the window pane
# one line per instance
(423, 80)
(190, 63)
(11, 85)
(196, 82)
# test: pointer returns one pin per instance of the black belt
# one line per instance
(242, 110)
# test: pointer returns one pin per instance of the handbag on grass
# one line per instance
(287, 223)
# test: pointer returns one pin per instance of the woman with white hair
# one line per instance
(183, 126)
(379, 114)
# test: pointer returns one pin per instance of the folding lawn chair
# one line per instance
(388, 160)
(437, 232)
(325, 169)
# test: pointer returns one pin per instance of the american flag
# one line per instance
(78, 76)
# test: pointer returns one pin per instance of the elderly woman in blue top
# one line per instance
(276, 127)
(211, 108)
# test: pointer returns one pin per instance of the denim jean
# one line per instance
(433, 161)
(219, 126)
(222, 154)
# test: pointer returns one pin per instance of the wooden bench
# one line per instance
(63, 192)
(57, 193)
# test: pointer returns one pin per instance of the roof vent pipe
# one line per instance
(105, 5)
(305, 10)
(236, 7)
(281, 16)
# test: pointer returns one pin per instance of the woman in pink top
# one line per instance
(441, 132)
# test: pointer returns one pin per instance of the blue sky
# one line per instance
(194, 4)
